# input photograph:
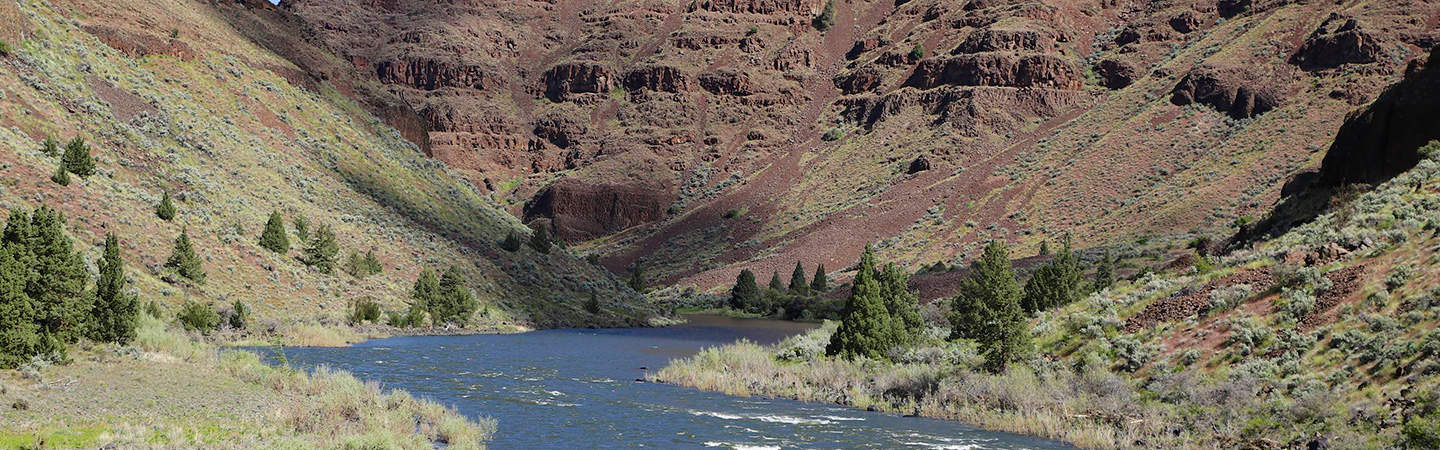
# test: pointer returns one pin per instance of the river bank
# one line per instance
(169, 390)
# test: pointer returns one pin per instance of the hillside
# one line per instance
(174, 97)
(702, 137)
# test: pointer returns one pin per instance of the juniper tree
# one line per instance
(637, 278)
(775, 284)
(1055, 283)
(77, 158)
(1044, 247)
(198, 316)
(826, 19)
(114, 311)
(1104, 272)
(19, 332)
(454, 302)
(592, 306)
(902, 305)
(818, 284)
(321, 251)
(239, 315)
(866, 328)
(274, 238)
(184, 260)
(511, 242)
(426, 290)
(166, 209)
(745, 293)
(61, 176)
(361, 266)
(798, 285)
(540, 240)
(302, 227)
(988, 309)
(50, 147)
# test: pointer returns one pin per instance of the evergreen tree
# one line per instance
(361, 266)
(902, 305)
(274, 238)
(302, 227)
(1104, 273)
(322, 250)
(50, 147)
(77, 158)
(866, 328)
(540, 240)
(197, 316)
(426, 290)
(184, 260)
(115, 310)
(592, 306)
(19, 333)
(456, 303)
(775, 284)
(818, 284)
(745, 293)
(57, 278)
(372, 263)
(166, 209)
(61, 177)
(637, 278)
(988, 309)
(239, 316)
(1044, 247)
(1054, 284)
(798, 286)
(511, 242)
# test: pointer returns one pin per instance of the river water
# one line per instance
(576, 388)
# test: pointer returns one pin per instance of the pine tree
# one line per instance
(19, 333)
(77, 158)
(775, 284)
(988, 309)
(322, 250)
(456, 303)
(50, 147)
(166, 209)
(745, 293)
(902, 305)
(61, 177)
(511, 242)
(184, 260)
(818, 284)
(302, 227)
(426, 290)
(239, 316)
(1054, 284)
(274, 238)
(866, 328)
(592, 306)
(372, 263)
(1044, 247)
(1104, 273)
(637, 278)
(115, 310)
(798, 285)
(58, 278)
(540, 240)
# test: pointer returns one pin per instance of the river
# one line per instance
(577, 388)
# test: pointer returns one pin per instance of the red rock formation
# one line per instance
(566, 79)
(657, 78)
(756, 6)
(1380, 141)
(861, 80)
(431, 74)
(989, 40)
(1230, 90)
(1116, 73)
(1339, 41)
(137, 45)
(727, 82)
(578, 210)
(996, 69)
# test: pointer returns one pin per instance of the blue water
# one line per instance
(576, 388)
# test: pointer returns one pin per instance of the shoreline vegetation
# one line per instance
(213, 397)
(1322, 337)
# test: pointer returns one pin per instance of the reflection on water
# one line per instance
(576, 388)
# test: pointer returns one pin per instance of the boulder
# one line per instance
(1230, 90)
(1340, 40)
(920, 164)
(1116, 73)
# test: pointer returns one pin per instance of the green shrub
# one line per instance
(77, 158)
(184, 260)
(239, 316)
(274, 238)
(511, 242)
(197, 316)
(731, 214)
(361, 266)
(834, 134)
(826, 19)
(61, 177)
(322, 250)
(302, 227)
(592, 306)
(50, 147)
(364, 310)
(917, 52)
(540, 240)
(5, 49)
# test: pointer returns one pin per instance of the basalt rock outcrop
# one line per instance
(432, 74)
(657, 78)
(1340, 40)
(565, 80)
(1230, 90)
(1380, 140)
(996, 69)
(577, 210)
(1116, 73)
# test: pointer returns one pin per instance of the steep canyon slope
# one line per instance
(700, 136)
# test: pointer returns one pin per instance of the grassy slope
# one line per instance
(234, 142)
(1241, 376)
(109, 395)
